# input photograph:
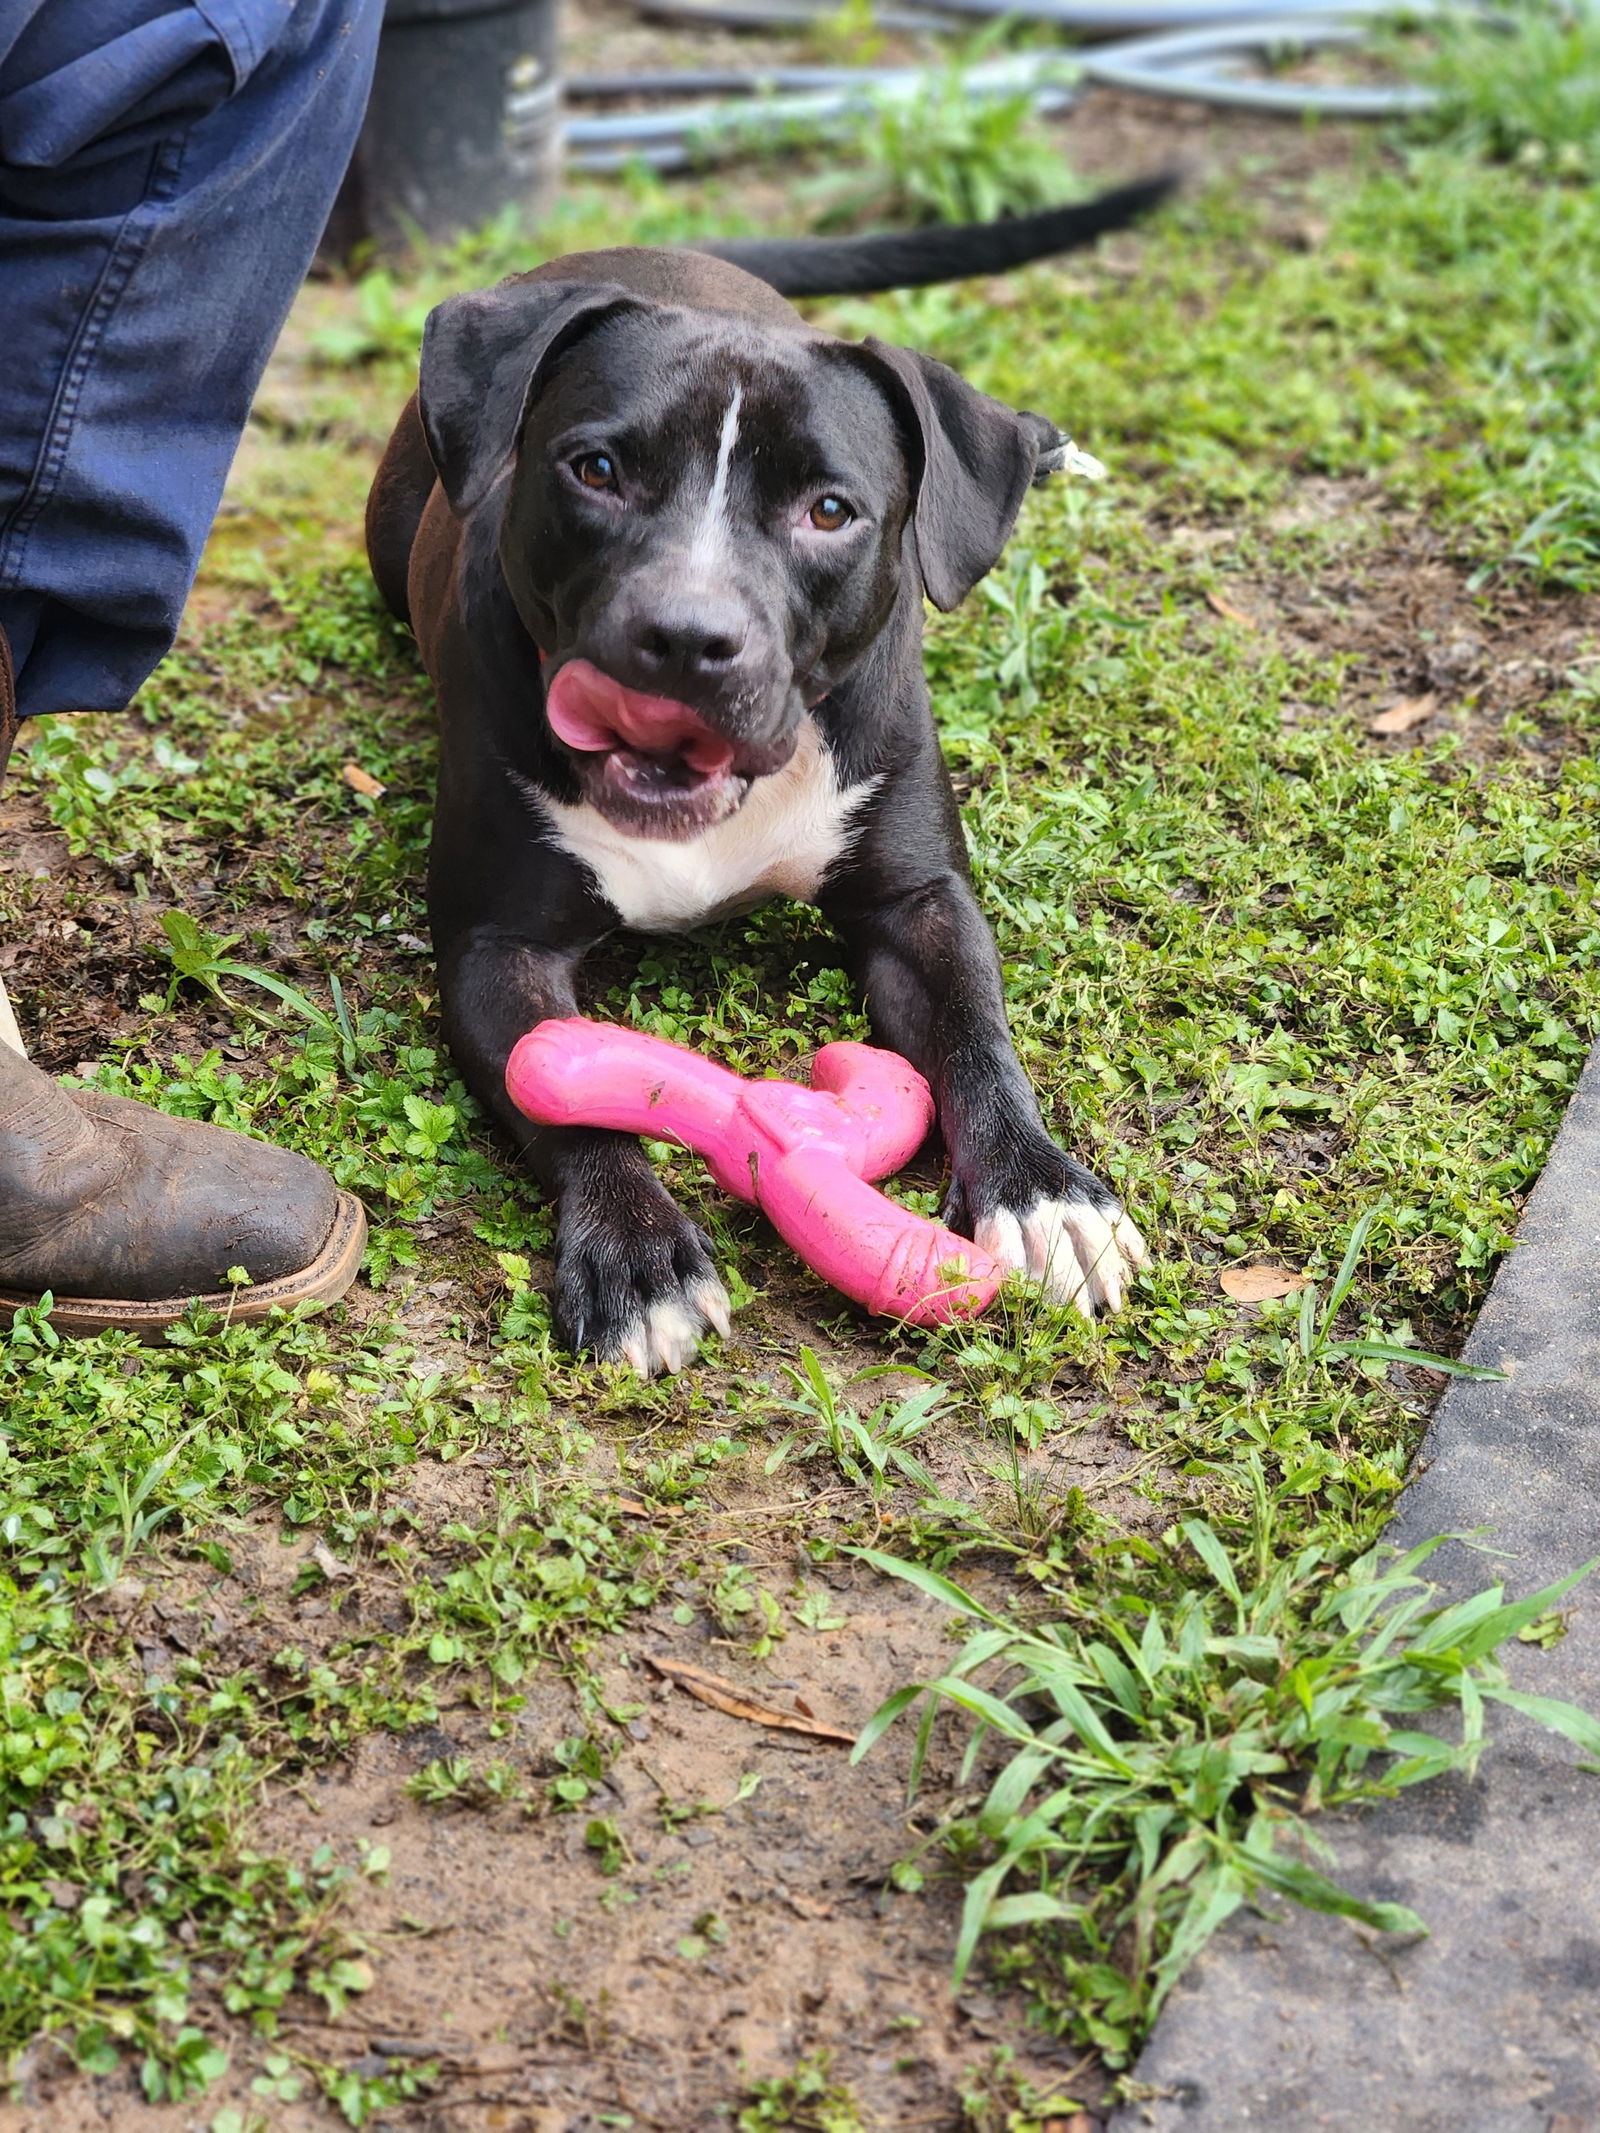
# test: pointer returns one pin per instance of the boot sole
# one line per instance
(325, 1280)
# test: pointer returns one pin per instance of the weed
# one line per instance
(745, 1608)
(806, 2101)
(847, 34)
(445, 1782)
(1562, 543)
(867, 1449)
(710, 1932)
(386, 321)
(1168, 1753)
(602, 1837)
(1021, 591)
(357, 2094)
(582, 1762)
(675, 1814)
(1316, 1322)
(202, 958)
(995, 2098)
(1523, 84)
(947, 155)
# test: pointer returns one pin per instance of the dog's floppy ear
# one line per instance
(481, 355)
(978, 459)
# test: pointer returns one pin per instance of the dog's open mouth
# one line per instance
(650, 763)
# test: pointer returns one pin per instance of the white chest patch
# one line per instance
(794, 826)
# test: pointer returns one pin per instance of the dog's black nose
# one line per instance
(700, 637)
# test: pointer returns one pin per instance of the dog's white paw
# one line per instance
(667, 1334)
(1077, 1254)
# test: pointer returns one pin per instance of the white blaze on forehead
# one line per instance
(711, 535)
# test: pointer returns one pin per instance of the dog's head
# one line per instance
(705, 520)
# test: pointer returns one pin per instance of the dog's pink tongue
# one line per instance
(588, 710)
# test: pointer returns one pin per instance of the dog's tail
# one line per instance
(910, 259)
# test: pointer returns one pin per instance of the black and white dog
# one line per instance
(665, 547)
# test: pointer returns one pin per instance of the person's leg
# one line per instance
(164, 176)
(155, 223)
(9, 1032)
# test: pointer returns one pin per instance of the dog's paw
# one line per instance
(636, 1286)
(667, 1333)
(1056, 1224)
(1075, 1253)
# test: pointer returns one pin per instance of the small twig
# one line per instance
(1097, 1488)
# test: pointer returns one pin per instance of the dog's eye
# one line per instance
(829, 514)
(596, 470)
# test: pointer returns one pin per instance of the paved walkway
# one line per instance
(1493, 2024)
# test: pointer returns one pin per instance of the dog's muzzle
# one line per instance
(650, 763)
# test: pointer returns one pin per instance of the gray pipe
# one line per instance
(1105, 17)
(703, 127)
(1153, 65)
(778, 15)
(1162, 66)
(711, 81)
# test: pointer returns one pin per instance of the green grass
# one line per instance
(1292, 993)
(1524, 83)
(947, 156)
(1190, 1733)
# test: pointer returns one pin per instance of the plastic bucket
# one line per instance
(464, 122)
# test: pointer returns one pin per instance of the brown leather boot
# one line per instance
(128, 1216)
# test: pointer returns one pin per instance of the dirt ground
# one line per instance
(731, 1939)
(553, 1998)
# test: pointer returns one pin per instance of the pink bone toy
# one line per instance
(803, 1156)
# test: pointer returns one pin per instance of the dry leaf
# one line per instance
(1405, 716)
(804, 1708)
(65, 1895)
(808, 1906)
(362, 781)
(1254, 1284)
(631, 1507)
(328, 1563)
(1229, 613)
(728, 1696)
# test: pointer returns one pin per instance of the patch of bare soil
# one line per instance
(79, 945)
(720, 1950)
(1426, 652)
(736, 1915)
(73, 950)
(1110, 134)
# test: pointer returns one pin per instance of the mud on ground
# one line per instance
(745, 1919)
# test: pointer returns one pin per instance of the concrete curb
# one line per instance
(1493, 2024)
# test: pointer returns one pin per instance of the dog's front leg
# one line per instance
(927, 965)
(634, 1281)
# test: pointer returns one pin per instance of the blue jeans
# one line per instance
(165, 172)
